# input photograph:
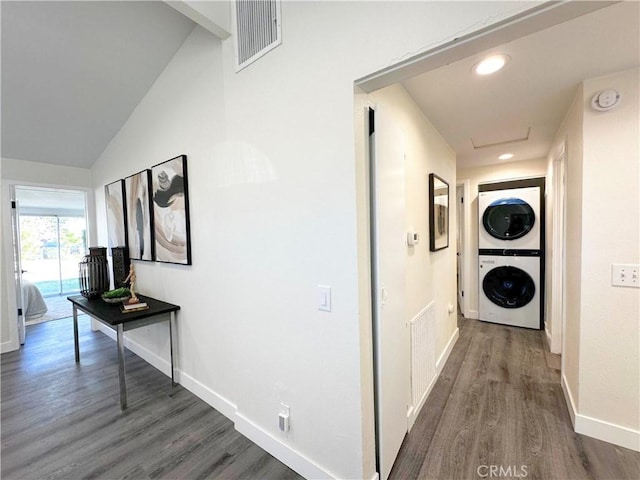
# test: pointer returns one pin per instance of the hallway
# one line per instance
(498, 402)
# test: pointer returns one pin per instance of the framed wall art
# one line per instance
(170, 199)
(438, 213)
(139, 216)
(116, 214)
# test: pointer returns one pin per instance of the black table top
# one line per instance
(111, 313)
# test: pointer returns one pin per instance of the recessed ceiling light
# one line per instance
(506, 156)
(491, 64)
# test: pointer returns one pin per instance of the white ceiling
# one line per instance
(534, 90)
(73, 72)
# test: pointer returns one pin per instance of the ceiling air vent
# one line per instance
(258, 31)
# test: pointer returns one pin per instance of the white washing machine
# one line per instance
(510, 219)
(510, 290)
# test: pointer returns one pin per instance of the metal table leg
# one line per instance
(171, 322)
(123, 381)
(75, 333)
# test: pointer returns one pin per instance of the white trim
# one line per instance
(466, 247)
(599, 429)
(557, 270)
(547, 336)
(276, 447)
(10, 346)
(214, 399)
(571, 406)
(608, 432)
(473, 314)
(444, 356)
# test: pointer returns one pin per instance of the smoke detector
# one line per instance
(605, 100)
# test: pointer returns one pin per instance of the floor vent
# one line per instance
(423, 354)
(257, 29)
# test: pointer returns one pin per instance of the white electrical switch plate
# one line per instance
(625, 275)
(324, 298)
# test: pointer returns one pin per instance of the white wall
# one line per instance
(601, 347)
(22, 172)
(487, 174)
(275, 211)
(610, 316)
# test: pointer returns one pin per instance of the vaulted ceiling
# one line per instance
(73, 72)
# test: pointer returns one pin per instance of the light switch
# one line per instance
(625, 275)
(324, 298)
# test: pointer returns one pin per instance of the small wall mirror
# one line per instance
(438, 213)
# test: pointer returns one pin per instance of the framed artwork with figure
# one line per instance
(139, 216)
(170, 200)
(116, 214)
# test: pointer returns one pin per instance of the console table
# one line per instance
(109, 314)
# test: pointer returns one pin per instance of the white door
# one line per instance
(17, 267)
(460, 244)
(391, 334)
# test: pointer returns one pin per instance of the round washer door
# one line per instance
(509, 287)
(508, 218)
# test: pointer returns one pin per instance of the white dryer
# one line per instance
(510, 290)
(510, 218)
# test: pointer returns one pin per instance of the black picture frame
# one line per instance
(438, 213)
(170, 204)
(139, 216)
(116, 208)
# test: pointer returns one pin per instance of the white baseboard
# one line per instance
(215, 400)
(547, 336)
(571, 406)
(447, 351)
(150, 357)
(608, 432)
(284, 453)
(10, 346)
(600, 429)
(473, 314)
(265, 440)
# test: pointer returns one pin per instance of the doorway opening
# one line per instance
(52, 233)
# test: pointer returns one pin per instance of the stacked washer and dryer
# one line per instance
(511, 252)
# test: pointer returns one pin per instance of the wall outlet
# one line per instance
(283, 417)
(625, 275)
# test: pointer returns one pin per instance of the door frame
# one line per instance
(532, 20)
(465, 254)
(385, 444)
(8, 187)
(558, 247)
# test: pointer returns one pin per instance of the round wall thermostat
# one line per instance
(605, 100)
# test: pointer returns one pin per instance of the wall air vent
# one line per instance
(257, 29)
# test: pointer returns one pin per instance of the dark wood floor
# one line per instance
(499, 402)
(62, 421)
